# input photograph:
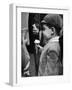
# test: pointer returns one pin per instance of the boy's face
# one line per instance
(47, 33)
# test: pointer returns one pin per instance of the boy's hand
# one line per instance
(40, 47)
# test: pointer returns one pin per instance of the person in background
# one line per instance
(25, 57)
(50, 63)
(36, 32)
(34, 28)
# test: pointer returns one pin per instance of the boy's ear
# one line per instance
(53, 30)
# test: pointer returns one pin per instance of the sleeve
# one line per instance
(25, 58)
(52, 56)
(25, 61)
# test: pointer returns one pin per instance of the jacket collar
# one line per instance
(54, 39)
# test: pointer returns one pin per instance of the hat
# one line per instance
(53, 20)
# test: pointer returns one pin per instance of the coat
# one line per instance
(49, 60)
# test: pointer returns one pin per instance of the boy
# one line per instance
(50, 56)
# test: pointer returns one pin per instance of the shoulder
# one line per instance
(54, 46)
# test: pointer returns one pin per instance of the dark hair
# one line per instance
(57, 29)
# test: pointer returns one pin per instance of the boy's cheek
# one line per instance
(46, 34)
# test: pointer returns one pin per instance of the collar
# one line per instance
(54, 39)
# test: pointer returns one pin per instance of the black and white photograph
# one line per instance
(38, 45)
(41, 44)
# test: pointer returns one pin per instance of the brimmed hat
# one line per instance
(53, 20)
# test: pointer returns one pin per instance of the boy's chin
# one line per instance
(46, 41)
